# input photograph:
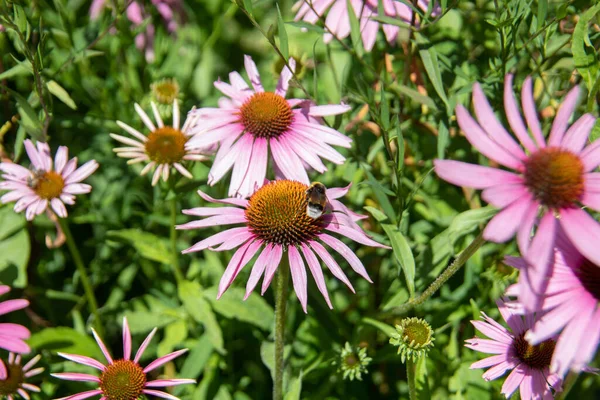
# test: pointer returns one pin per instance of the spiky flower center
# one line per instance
(555, 177)
(47, 185)
(166, 145)
(266, 115)
(417, 333)
(165, 91)
(589, 276)
(122, 380)
(276, 213)
(536, 357)
(12, 383)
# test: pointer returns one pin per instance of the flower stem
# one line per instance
(411, 378)
(85, 280)
(174, 252)
(281, 294)
(461, 260)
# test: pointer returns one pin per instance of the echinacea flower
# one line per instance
(275, 220)
(529, 364)
(252, 123)
(12, 335)
(414, 338)
(122, 379)
(553, 177)
(170, 10)
(352, 362)
(570, 306)
(13, 377)
(337, 22)
(45, 184)
(163, 148)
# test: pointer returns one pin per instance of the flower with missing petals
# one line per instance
(337, 22)
(275, 221)
(164, 147)
(122, 379)
(252, 126)
(13, 377)
(414, 338)
(570, 307)
(45, 184)
(553, 177)
(530, 364)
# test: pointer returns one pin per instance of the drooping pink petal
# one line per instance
(163, 360)
(330, 263)
(498, 370)
(258, 269)
(583, 231)
(526, 226)
(513, 381)
(561, 120)
(298, 272)
(90, 362)
(347, 253)
(475, 176)
(272, 265)
(350, 233)
(84, 395)
(237, 262)
(587, 349)
(515, 322)
(158, 393)
(317, 272)
(235, 240)
(215, 239)
(565, 351)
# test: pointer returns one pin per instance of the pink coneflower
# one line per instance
(275, 219)
(171, 12)
(571, 304)
(529, 364)
(12, 336)
(250, 123)
(337, 22)
(45, 184)
(122, 379)
(552, 178)
(13, 377)
(163, 148)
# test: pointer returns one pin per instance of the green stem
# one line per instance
(411, 378)
(174, 252)
(281, 294)
(85, 280)
(568, 385)
(461, 260)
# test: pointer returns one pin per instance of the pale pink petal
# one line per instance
(526, 226)
(258, 269)
(84, 395)
(257, 171)
(102, 347)
(321, 132)
(90, 362)
(235, 240)
(214, 221)
(565, 351)
(253, 75)
(493, 332)
(515, 322)
(501, 195)
(330, 263)
(298, 272)
(241, 257)
(32, 362)
(224, 160)
(488, 121)
(347, 253)
(12, 305)
(483, 143)
(576, 137)
(288, 162)
(489, 361)
(126, 340)
(215, 239)
(330, 109)
(13, 344)
(58, 207)
(590, 156)
(498, 370)
(4, 289)
(241, 166)
(591, 199)
(77, 188)
(158, 393)
(553, 321)
(60, 159)
(144, 117)
(529, 109)
(3, 371)
(284, 78)
(487, 346)
(163, 360)
(512, 381)
(200, 141)
(144, 345)
(169, 382)
(587, 348)
(514, 116)
(237, 81)
(353, 234)
(235, 202)
(504, 225)
(96, 8)
(561, 120)
(33, 155)
(583, 231)
(14, 330)
(316, 271)
(474, 176)
(73, 376)
(272, 265)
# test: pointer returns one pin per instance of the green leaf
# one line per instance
(432, 67)
(175, 334)
(267, 355)
(248, 7)
(306, 25)
(403, 255)
(23, 68)
(283, 38)
(66, 340)
(255, 310)
(468, 221)
(376, 213)
(197, 358)
(414, 95)
(61, 93)
(443, 139)
(383, 327)
(29, 118)
(148, 245)
(584, 54)
(14, 248)
(391, 21)
(542, 12)
(192, 296)
(294, 388)
(354, 30)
